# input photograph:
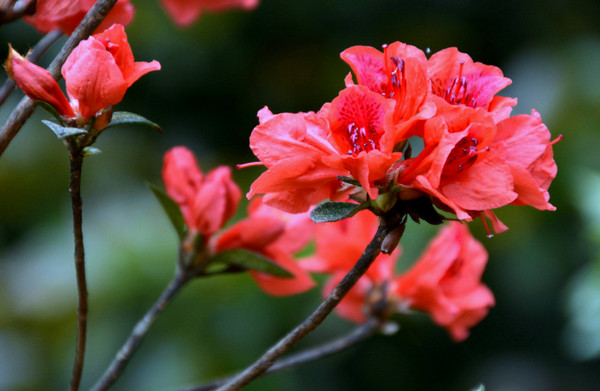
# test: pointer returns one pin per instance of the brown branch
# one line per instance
(359, 334)
(118, 364)
(316, 318)
(26, 106)
(38, 50)
(76, 159)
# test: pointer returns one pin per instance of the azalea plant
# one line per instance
(408, 137)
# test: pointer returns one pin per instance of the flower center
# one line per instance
(457, 92)
(462, 156)
(361, 139)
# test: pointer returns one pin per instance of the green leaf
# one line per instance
(348, 180)
(334, 211)
(124, 117)
(49, 108)
(171, 209)
(63, 131)
(481, 387)
(251, 260)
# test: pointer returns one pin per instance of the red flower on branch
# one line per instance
(97, 74)
(276, 235)
(446, 281)
(206, 202)
(186, 12)
(67, 14)
(457, 80)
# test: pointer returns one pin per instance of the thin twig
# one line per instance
(38, 50)
(360, 333)
(26, 106)
(315, 319)
(118, 364)
(76, 158)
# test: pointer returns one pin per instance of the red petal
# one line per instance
(37, 83)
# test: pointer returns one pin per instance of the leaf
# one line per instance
(63, 131)
(124, 117)
(334, 211)
(251, 260)
(49, 108)
(171, 209)
(348, 180)
(481, 387)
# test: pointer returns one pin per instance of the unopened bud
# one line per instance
(390, 242)
(103, 118)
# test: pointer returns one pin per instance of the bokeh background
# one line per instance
(543, 334)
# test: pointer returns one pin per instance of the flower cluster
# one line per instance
(475, 157)
(444, 282)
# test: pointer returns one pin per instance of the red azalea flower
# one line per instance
(398, 73)
(304, 153)
(276, 235)
(205, 202)
(459, 81)
(472, 165)
(339, 245)
(446, 281)
(97, 73)
(186, 12)
(67, 14)
(100, 69)
(456, 165)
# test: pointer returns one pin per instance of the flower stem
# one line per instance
(26, 106)
(76, 158)
(38, 51)
(358, 334)
(261, 365)
(118, 364)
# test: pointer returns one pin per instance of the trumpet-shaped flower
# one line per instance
(67, 14)
(457, 80)
(206, 202)
(97, 74)
(446, 281)
(276, 235)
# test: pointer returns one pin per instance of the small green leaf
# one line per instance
(124, 117)
(334, 211)
(63, 131)
(49, 108)
(91, 151)
(251, 260)
(481, 387)
(348, 180)
(171, 209)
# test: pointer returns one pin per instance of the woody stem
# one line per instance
(26, 106)
(260, 366)
(76, 158)
(118, 364)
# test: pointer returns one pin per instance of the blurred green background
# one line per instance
(543, 334)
